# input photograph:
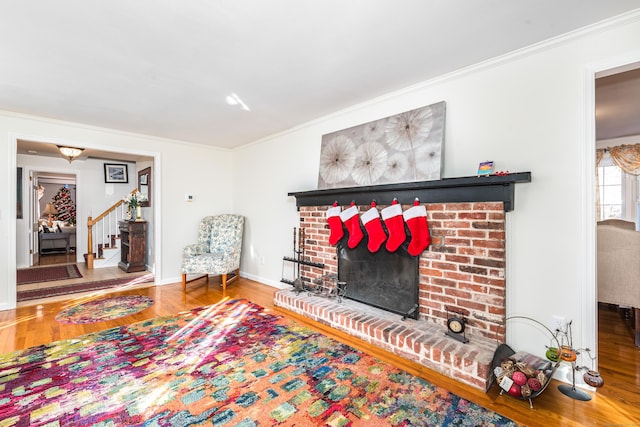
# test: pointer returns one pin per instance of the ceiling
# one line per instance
(166, 68)
(43, 149)
(618, 105)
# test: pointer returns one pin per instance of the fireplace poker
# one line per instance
(294, 241)
(297, 282)
(301, 243)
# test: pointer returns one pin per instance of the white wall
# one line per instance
(179, 168)
(526, 112)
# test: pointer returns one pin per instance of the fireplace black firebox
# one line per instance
(386, 280)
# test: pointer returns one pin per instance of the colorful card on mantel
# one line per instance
(485, 168)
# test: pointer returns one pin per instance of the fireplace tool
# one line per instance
(328, 286)
(325, 286)
(298, 254)
(299, 283)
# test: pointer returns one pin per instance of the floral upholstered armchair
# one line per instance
(217, 251)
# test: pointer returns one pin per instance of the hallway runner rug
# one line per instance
(230, 364)
(103, 309)
(73, 288)
(47, 274)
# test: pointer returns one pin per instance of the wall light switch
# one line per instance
(189, 197)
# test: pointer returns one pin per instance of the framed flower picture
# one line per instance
(405, 147)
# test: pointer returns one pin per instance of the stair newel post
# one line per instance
(89, 243)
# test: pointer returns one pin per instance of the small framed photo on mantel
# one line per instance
(485, 168)
(116, 173)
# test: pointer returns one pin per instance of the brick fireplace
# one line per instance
(462, 272)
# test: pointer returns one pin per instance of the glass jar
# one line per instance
(593, 378)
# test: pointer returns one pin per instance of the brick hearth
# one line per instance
(419, 341)
(461, 271)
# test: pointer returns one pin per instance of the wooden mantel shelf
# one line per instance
(493, 188)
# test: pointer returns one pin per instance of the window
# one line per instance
(610, 185)
(618, 192)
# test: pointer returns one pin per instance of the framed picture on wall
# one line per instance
(405, 147)
(116, 173)
(144, 185)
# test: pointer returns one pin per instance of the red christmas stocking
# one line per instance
(335, 224)
(416, 219)
(373, 225)
(392, 216)
(351, 220)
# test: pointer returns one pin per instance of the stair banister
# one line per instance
(91, 222)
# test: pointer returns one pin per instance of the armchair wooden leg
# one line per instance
(225, 281)
(185, 281)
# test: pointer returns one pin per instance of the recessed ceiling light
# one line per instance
(234, 99)
(32, 152)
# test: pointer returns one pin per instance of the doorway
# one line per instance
(54, 211)
(617, 202)
(87, 175)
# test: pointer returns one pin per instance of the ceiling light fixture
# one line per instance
(234, 99)
(71, 153)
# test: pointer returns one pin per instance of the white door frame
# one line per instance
(157, 201)
(589, 297)
(36, 174)
(34, 217)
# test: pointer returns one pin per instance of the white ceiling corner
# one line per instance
(165, 68)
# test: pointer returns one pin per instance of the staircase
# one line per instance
(103, 237)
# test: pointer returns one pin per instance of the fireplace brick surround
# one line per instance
(462, 271)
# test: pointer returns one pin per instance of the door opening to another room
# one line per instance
(53, 239)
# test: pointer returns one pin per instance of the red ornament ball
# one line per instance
(519, 378)
(514, 390)
(534, 384)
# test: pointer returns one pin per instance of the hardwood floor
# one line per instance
(97, 274)
(55, 258)
(616, 403)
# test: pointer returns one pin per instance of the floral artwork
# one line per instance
(402, 148)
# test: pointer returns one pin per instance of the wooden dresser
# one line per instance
(133, 245)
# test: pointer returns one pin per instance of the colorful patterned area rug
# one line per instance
(53, 291)
(229, 364)
(47, 274)
(104, 309)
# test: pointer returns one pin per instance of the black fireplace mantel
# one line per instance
(493, 188)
